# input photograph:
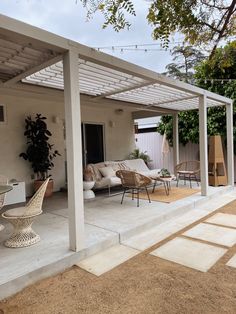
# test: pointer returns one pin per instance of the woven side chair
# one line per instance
(3, 181)
(22, 219)
(133, 182)
(187, 170)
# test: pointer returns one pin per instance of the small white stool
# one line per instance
(87, 187)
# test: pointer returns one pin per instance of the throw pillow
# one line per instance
(107, 172)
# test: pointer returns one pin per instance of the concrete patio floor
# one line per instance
(107, 223)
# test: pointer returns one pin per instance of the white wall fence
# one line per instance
(152, 144)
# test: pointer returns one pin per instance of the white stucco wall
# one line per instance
(119, 137)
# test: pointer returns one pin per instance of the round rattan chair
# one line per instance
(187, 170)
(133, 182)
(22, 219)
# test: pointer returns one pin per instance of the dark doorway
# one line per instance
(93, 143)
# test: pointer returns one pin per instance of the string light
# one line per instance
(221, 80)
(135, 49)
(138, 47)
(142, 48)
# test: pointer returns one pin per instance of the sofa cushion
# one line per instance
(117, 165)
(114, 181)
(107, 172)
(96, 173)
(137, 165)
(113, 164)
(103, 183)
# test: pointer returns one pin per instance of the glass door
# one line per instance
(93, 143)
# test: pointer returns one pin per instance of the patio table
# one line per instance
(166, 182)
(4, 189)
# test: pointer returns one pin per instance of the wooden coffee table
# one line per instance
(166, 182)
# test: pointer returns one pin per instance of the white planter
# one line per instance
(87, 187)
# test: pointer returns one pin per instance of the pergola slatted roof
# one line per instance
(35, 57)
(102, 82)
(17, 58)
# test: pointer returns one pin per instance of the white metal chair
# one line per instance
(3, 181)
(22, 219)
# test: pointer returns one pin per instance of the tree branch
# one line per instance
(214, 6)
(227, 19)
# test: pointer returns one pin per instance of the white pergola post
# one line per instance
(203, 144)
(230, 144)
(175, 139)
(74, 151)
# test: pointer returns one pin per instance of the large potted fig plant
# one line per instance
(39, 151)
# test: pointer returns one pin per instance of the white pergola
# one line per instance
(29, 55)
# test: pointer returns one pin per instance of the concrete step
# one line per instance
(180, 208)
(159, 232)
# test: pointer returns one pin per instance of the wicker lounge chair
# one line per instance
(22, 219)
(188, 170)
(133, 182)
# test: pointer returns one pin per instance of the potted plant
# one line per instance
(39, 152)
(165, 173)
(137, 154)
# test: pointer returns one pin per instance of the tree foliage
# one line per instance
(200, 21)
(185, 58)
(114, 12)
(218, 75)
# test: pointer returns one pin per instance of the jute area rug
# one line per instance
(175, 194)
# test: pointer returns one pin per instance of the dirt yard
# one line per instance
(144, 284)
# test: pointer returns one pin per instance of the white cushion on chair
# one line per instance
(16, 212)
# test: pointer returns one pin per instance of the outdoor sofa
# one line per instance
(104, 173)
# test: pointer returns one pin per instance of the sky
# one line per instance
(68, 19)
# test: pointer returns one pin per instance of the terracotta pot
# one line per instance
(49, 190)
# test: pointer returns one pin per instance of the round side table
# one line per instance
(87, 187)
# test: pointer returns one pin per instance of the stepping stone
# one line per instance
(223, 219)
(232, 262)
(215, 234)
(106, 260)
(162, 231)
(193, 254)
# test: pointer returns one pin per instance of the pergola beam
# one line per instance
(174, 100)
